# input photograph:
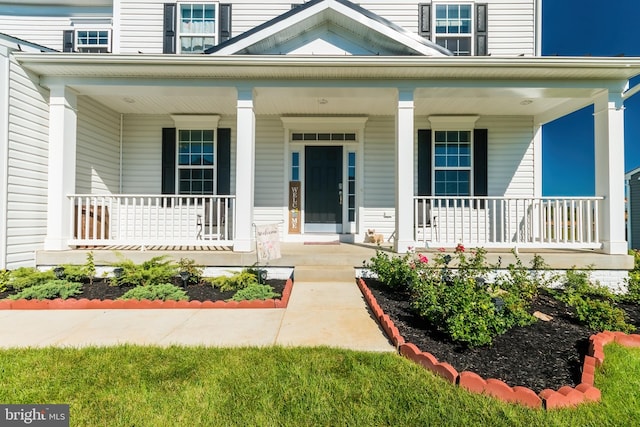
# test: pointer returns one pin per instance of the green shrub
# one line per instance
(238, 280)
(463, 305)
(154, 271)
(49, 290)
(255, 291)
(4, 280)
(397, 271)
(80, 273)
(633, 282)
(25, 277)
(162, 291)
(594, 305)
(195, 271)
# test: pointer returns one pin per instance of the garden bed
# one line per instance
(101, 294)
(544, 357)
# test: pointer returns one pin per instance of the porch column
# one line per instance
(404, 171)
(63, 118)
(245, 162)
(609, 173)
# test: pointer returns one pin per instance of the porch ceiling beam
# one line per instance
(537, 88)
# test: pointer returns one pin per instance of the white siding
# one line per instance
(141, 26)
(27, 168)
(142, 152)
(379, 176)
(97, 162)
(44, 25)
(270, 171)
(510, 155)
(511, 22)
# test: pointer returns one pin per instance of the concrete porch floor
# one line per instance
(323, 254)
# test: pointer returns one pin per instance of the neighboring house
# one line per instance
(632, 179)
(140, 122)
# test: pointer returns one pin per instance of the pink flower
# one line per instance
(460, 248)
(441, 249)
(423, 259)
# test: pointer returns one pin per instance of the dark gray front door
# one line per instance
(323, 188)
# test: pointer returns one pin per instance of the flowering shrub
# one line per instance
(453, 294)
(397, 271)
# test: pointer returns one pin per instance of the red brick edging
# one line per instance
(83, 303)
(547, 399)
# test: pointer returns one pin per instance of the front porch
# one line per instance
(536, 223)
(329, 254)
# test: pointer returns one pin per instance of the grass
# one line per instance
(179, 386)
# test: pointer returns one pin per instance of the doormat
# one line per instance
(334, 242)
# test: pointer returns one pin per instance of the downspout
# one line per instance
(4, 152)
(627, 191)
(120, 155)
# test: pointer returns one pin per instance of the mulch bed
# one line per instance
(101, 289)
(542, 355)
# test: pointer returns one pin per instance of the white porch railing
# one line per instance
(144, 220)
(541, 222)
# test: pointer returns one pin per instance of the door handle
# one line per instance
(340, 197)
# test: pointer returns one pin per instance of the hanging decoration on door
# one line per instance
(294, 207)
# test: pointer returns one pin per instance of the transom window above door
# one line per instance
(196, 27)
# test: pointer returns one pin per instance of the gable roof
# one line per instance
(341, 23)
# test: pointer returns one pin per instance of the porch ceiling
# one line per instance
(544, 88)
(337, 100)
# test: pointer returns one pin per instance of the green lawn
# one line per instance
(178, 386)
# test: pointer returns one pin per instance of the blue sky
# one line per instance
(579, 28)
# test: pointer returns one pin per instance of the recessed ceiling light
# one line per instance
(129, 100)
(526, 102)
(322, 101)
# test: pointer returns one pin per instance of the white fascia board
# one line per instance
(605, 72)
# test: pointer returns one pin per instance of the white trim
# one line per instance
(188, 121)
(116, 30)
(453, 122)
(4, 151)
(321, 123)
(410, 40)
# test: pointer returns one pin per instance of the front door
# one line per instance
(323, 189)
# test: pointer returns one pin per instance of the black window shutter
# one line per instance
(67, 40)
(480, 175)
(424, 20)
(224, 26)
(424, 162)
(168, 160)
(169, 30)
(223, 162)
(481, 29)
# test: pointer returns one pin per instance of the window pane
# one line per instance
(441, 136)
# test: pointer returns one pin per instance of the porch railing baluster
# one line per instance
(540, 222)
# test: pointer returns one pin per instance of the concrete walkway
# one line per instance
(318, 314)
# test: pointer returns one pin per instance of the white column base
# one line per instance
(402, 247)
(615, 248)
(243, 245)
(56, 244)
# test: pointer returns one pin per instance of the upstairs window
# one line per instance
(454, 29)
(87, 41)
(93, 41)
(462, 28)
(196, 27)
